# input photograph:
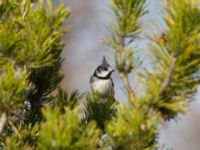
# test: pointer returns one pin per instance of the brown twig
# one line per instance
(2, 121)
(14, 128)
(168, 78)
(130, 91)
(122, 72)
(122, 64)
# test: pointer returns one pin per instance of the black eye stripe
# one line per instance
(105, 69)
(100, 68)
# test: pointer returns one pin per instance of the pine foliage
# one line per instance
(174, 56)
(30, 38)
(133, 129)
(99, 109)
(64, 98)
(11, 93)
(63, 131)
(175, 60)
(23, 137)
(35, 113)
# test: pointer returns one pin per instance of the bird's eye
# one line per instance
(99, 69)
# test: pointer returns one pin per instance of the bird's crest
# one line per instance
(104, 62)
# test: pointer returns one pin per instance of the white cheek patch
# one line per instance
(103, 74)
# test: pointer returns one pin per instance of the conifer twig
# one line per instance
(125, 31)
(168, 78)
(2, 122)
(130, 91)
(122, 72)
(14, 128)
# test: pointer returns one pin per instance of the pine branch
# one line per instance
(130, 91)
(122, 72)
(169, 75)
(125, 31)
(175, 60)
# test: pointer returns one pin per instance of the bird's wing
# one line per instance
(92, 79)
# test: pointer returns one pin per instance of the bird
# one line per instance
(101, 81)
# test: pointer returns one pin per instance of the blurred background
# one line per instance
(90, 22)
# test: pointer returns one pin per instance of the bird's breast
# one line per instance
(102, 86)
